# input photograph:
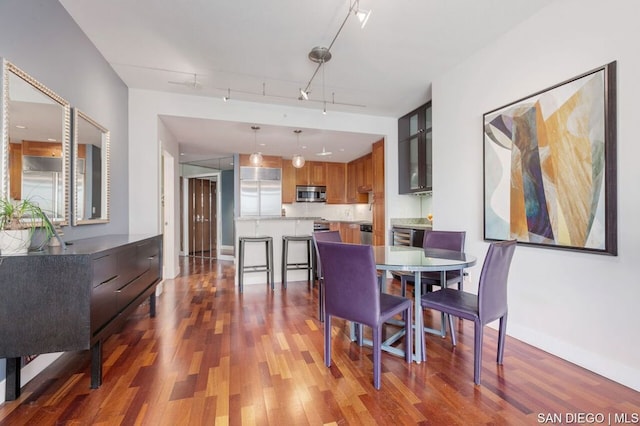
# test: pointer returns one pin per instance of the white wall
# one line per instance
(582, 307)
(170, 153)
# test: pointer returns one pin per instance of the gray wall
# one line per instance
(40, 37)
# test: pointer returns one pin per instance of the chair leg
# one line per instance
(408, 350)
(320, 300)
(403, 286)
(359, 334)
(477, 351)
(453, 332)
(377, 349)
(327, 340)
(502, 332)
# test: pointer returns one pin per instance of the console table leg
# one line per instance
(12, 385)
(96, 365)
(152, 305)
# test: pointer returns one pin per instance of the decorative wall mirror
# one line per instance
(35, 144)
(90, 171)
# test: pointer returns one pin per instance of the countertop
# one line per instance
(360, 222)
(411, 225)
(315, 219)
(249, 218)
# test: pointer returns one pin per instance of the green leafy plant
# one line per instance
(24, 214)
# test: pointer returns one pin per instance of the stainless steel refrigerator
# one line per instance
(260, 191)
(42, 183)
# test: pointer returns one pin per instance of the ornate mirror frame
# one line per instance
(90, 140)
(33, 130)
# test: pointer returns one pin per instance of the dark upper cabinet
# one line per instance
(415, 161)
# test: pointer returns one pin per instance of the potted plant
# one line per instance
(18, 221)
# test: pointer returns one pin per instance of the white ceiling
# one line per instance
(256, 50)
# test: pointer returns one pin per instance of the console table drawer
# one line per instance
(103, 269)
(104, 303)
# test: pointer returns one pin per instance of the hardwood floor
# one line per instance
(213, 356)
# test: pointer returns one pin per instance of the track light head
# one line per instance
(363, 17)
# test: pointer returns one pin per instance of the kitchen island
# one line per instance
(275, 227)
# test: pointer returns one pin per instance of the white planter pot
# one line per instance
(14, 242)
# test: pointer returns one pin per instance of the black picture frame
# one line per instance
(550, 166)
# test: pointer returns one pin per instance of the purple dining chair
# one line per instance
(487, 306)
(445, 240)
(332, 236)
(352, 293)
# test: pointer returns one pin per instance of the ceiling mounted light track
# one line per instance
(322, 55)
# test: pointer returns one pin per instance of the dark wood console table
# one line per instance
(68, 300)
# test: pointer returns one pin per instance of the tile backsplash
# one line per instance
(329, 211)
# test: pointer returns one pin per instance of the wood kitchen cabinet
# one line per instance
(365, 173)
(350, 232)
(312, 173)
(355, 175)
(269, 161)
(415, 160)
(377, 206)
(288, 182)
(336, 183)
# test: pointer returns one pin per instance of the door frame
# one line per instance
(170, 267)
(184, 205)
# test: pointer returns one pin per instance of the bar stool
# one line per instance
(290, 266)
(267, 267)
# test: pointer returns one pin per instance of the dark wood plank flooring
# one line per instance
(213, 356)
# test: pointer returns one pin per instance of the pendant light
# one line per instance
(298, 159)
(255, 158)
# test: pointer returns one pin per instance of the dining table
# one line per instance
(418, 260)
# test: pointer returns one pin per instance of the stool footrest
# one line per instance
(297, 266)
(268, 267)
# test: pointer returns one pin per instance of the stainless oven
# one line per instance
(311, 194)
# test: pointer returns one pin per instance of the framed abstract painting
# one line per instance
(550, 166)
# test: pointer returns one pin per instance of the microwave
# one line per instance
(311, 194)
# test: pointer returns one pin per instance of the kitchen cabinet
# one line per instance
(377, 205)
(355, 171)
(288, 182)
(415, 160)
(312, 173)
(364, 172)
(268, 161)
(350, 232)
(336, 183)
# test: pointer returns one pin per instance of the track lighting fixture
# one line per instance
(298, 159)
(362, 14)
(256, 157)
(322, 55)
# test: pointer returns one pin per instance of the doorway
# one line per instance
(202, 218)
